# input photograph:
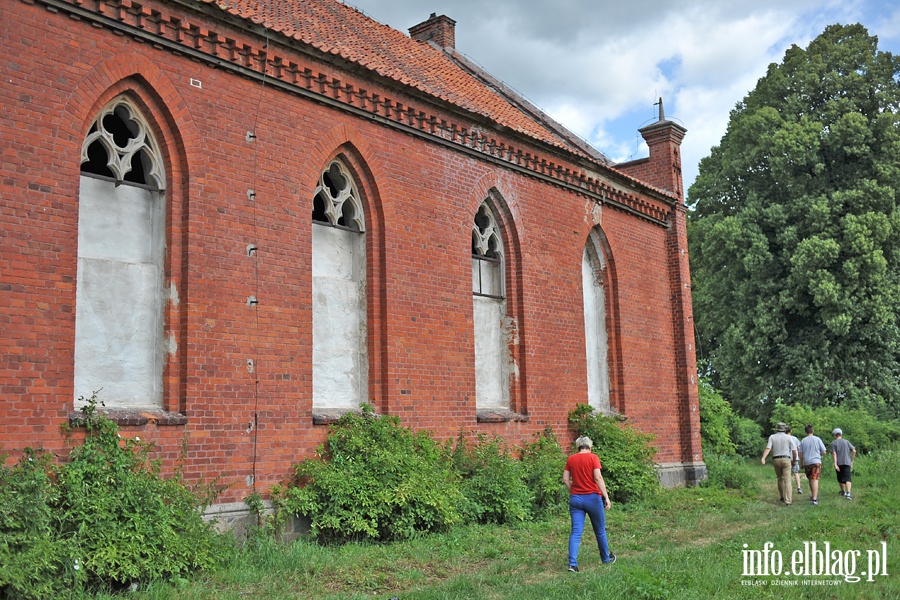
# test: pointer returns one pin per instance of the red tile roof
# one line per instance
(335, 28)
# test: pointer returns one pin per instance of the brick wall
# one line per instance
(420, 198)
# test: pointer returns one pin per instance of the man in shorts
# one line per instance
(811, 450)
(844, 452)
(795, 466)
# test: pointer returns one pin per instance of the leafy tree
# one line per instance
(795, 233)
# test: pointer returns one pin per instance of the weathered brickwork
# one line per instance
(422, 167)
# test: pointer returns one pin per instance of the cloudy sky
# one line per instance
(598, 66)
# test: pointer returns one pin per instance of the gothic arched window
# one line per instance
(119, 319)
(492, 359)
(593, 267)
(340, 352)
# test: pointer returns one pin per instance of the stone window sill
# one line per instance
(330, 416)
(500, 415)
(125, 417)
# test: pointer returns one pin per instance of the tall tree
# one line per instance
(795, 232)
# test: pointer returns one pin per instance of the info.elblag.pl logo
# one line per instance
(815, 559)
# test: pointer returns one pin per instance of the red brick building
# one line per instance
(237, 220)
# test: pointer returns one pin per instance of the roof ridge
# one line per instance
(527, 105)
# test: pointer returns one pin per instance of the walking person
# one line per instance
(795, 466)
(811, 450)
(783, 455)
(843, 452)
(587, 496)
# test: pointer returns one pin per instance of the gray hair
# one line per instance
(584, 442)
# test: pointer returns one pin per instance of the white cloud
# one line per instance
(888, 28)
(597, 66)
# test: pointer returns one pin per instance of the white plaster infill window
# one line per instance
(593, 266)
(340, 349)
(119, 317)
(492, 356)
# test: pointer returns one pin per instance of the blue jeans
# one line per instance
(592, 505)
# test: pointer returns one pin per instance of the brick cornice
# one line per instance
(257, 61)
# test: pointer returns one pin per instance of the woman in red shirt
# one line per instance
(587, 495)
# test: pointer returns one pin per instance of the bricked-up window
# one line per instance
(340, 351)
(119, 320)
(492, 356)
(593, 270)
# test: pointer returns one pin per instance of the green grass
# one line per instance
(686, 543)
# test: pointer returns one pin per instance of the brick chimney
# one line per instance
(664, 140)
(440, 30)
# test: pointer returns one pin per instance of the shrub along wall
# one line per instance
(103, 519)
(374, 479)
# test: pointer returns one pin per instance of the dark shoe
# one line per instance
(799, 490)
(815, 502)
(848, 497)
(573, 569)
(612, 559)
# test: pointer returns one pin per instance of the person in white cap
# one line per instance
(843, 452)
(784, 453)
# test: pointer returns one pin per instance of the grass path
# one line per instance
(687, 543)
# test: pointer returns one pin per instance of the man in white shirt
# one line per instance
(783, 455)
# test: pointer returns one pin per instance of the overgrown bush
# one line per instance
(625, 453)
(35, 561)
(728, 472)
(722, 430)
(374, 479)
(493, 482)
(128, 523)
(715, 420)
(543, 461)
(862, 429)
(103, 519)
(747, 436)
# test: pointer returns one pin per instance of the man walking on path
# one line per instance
(783, 454)
(844, 452)
(811, 450)
(795, 466)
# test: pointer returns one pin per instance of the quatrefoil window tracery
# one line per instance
(120, 145)
(487, 255)
(336, 201)
(486, 234)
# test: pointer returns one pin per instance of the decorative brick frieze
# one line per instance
(177, 35)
